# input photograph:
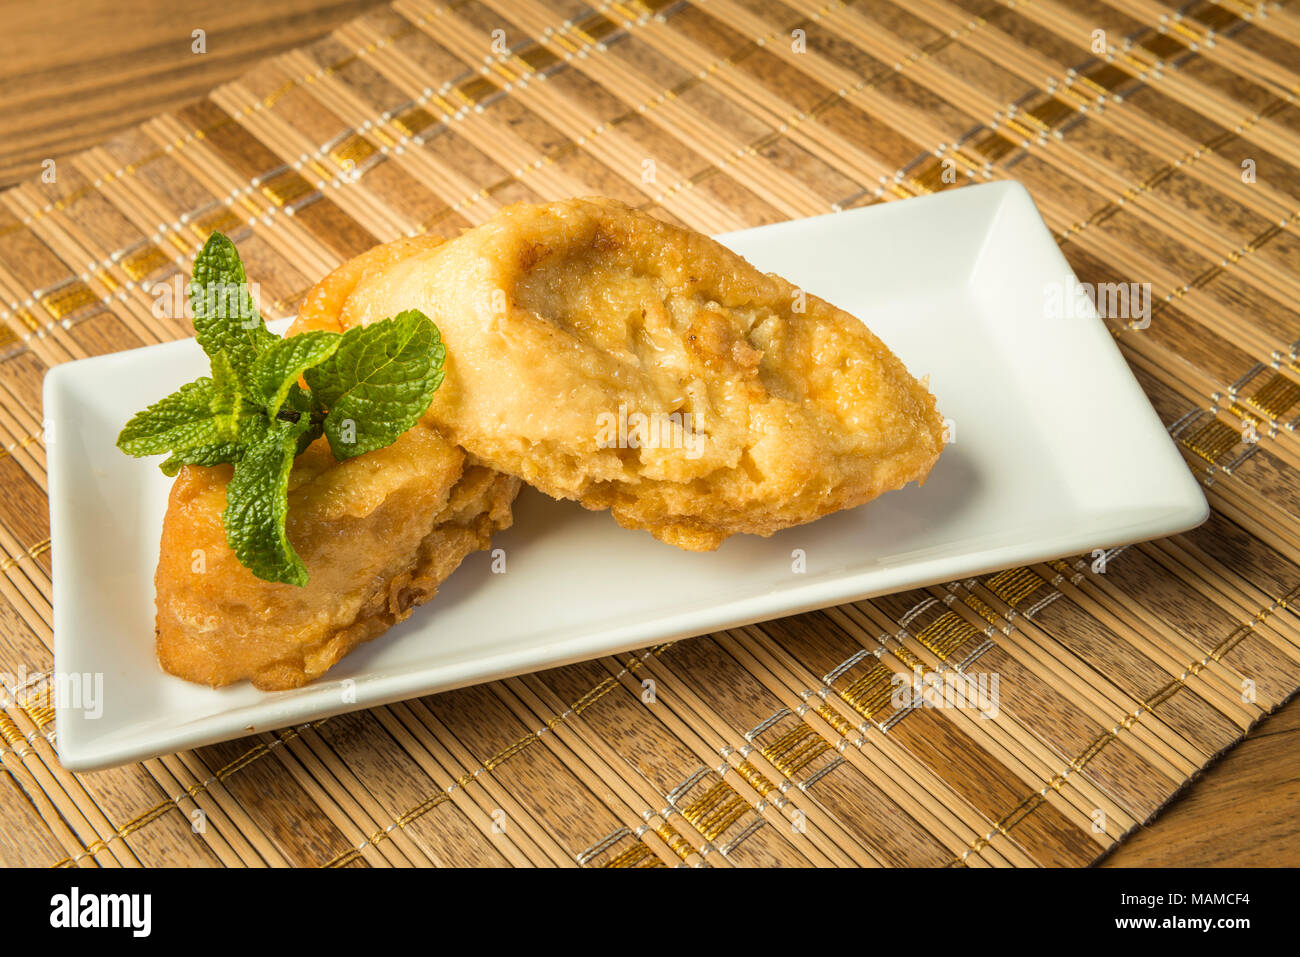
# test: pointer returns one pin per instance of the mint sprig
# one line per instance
(366, 387)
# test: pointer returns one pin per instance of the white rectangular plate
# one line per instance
(1056, 452)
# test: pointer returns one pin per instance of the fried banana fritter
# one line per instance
(605, 356)
(378, 533)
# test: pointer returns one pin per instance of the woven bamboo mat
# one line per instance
(1155, 139)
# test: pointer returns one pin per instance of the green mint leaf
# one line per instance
(276, 370)
(179, 421)
(378, 382)
(218, 453)
(226, 319)
(229, 406)
(257, 504)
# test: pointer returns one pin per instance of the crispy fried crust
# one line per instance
(378, 533)
(328, 304)
(564, 322)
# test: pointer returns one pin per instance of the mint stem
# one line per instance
(288, 415)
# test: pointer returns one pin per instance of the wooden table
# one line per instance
(74, 72)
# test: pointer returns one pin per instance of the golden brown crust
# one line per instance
(378, 534)
(563, 318)
(326, 305)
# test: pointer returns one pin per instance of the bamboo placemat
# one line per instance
(1154, 138)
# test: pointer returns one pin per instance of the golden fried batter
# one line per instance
(378, 533)
(602, 355)
(327, 304)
